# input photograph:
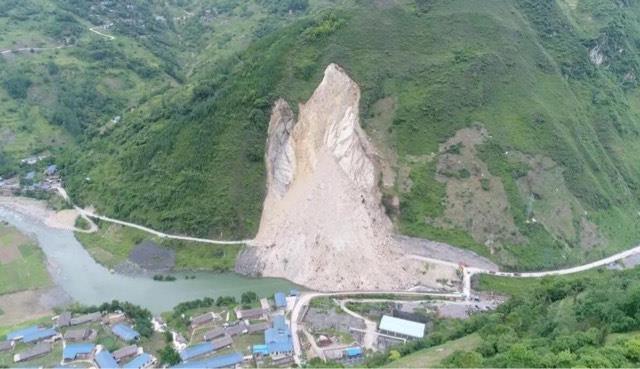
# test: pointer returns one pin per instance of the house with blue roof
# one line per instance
(19, 334)
(125, 332)
(279, 322)
(78, 351)
(352, 352)
(195, 351)
(222, 361)
(277, 339)
(281, 299)
(141, 361)
(39, 335)
(104, 360)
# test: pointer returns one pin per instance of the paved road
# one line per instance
(88, 214)
(577, 269)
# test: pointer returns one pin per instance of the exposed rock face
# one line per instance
(281, 160)
(323, 225)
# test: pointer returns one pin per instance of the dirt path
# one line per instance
(92, 29)
(23, 49)
(369, 340)
(317, 350)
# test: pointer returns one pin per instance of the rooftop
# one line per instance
(278, 338)
(105, 360)
(279, 322)
(71, 351)
(139, 361)
(281, 299)
(125, 351)
(196, 350)
(353, 351)
(39, 335)
(401, 326)
(17, 335)
(125, 332)
(64, 319)
(77, 334)
(214, 362)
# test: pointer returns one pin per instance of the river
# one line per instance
(88, 282)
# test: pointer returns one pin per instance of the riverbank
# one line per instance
(64, 219)
(26, 287)
(134, 252)
(87, 282)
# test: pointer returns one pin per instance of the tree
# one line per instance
(632, 349)
(248, 297)
(17, 86)
(169, 356)
(462, 359)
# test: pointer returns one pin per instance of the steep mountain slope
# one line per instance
(506, 126)
(70, 70)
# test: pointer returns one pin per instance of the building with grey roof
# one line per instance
(201, 320)
(36, 351)
(75, 335)
(6, 345)
(257, 327)
(257, 313)
(87, 318)
(214, 333)
(125, 352)
(224, 341)
(235, 330)
(64, 319)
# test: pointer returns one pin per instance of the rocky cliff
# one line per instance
(322, 224)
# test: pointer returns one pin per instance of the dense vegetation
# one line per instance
(587, 320)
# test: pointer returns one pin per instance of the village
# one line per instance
(37, 178)
(252, 334)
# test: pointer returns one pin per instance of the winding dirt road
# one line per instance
(92, 29)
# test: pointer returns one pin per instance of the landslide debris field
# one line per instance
(323, 219)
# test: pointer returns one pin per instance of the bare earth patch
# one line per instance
(64, 219)
(552, 204)
(9, 253)
(29, 305)
(476, 200)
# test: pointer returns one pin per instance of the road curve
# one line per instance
(88, 214)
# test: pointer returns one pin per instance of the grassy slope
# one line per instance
(112, 244)
(587, 319)
(28, 270)
(433, 356)
(192, 161)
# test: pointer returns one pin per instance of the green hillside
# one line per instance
(586, 320)
(510, 127)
